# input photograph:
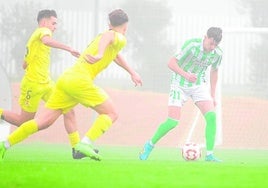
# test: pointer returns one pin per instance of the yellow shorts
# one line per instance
(32, 93)
(73, 88)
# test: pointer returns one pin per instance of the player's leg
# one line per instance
(106, 116)
(28, 128)
(177, 97)
(207, 109)
(73, 134)
(71, 128)
(17, 119)
(174, 113)
(88, 95)
(55, 106)
(30, 96)
(42, 121)
(69, 117)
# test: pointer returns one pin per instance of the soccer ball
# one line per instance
(191, 151)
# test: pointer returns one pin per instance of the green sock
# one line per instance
(163, 129)
(210, 130)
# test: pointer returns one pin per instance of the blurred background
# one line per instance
(157, 29)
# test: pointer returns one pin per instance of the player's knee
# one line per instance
(22, 119)
(113, 115)
(48, 118)
(70, 115)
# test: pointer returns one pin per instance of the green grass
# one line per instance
(49, 165)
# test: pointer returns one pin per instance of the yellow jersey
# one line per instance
(109, 55)
(37, 57)
(76, 84)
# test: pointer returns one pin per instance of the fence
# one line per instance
(235, 44)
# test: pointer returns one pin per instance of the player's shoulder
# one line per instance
(41, 31)
(108, 34)
(116, 34)
(194, 40)
(218, 51)
(117, 38)
(38, 33)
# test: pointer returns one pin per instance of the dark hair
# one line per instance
(46, 14)
(215, 33)
(118, 17)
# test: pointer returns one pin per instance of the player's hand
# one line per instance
(92, 59)
(24, 65)
(135, 77)
(190, 77)
(75, 53)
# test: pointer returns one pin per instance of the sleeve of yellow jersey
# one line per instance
(39, 33)
(45, 32)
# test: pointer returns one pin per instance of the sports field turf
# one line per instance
(49, 165)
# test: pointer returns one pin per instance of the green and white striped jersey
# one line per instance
(192, 58)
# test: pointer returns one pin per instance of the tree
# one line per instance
(18, 21)
(17, 24)
(147, 38)
(258, 55)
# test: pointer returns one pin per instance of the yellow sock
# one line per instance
(101, 124)
(1, 112)
(74, 138)
(26, 129)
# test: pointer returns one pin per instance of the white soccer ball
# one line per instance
(191, 151)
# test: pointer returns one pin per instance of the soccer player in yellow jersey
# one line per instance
(36, 84)
(76, 85)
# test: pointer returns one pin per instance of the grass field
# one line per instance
(50, 165)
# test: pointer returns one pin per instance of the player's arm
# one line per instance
(106, 39)
(213, 83)
(49, 41)
(173, 65)
(123, 63)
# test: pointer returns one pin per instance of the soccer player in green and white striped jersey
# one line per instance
(189, 68)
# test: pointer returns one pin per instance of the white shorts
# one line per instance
(178, 95)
